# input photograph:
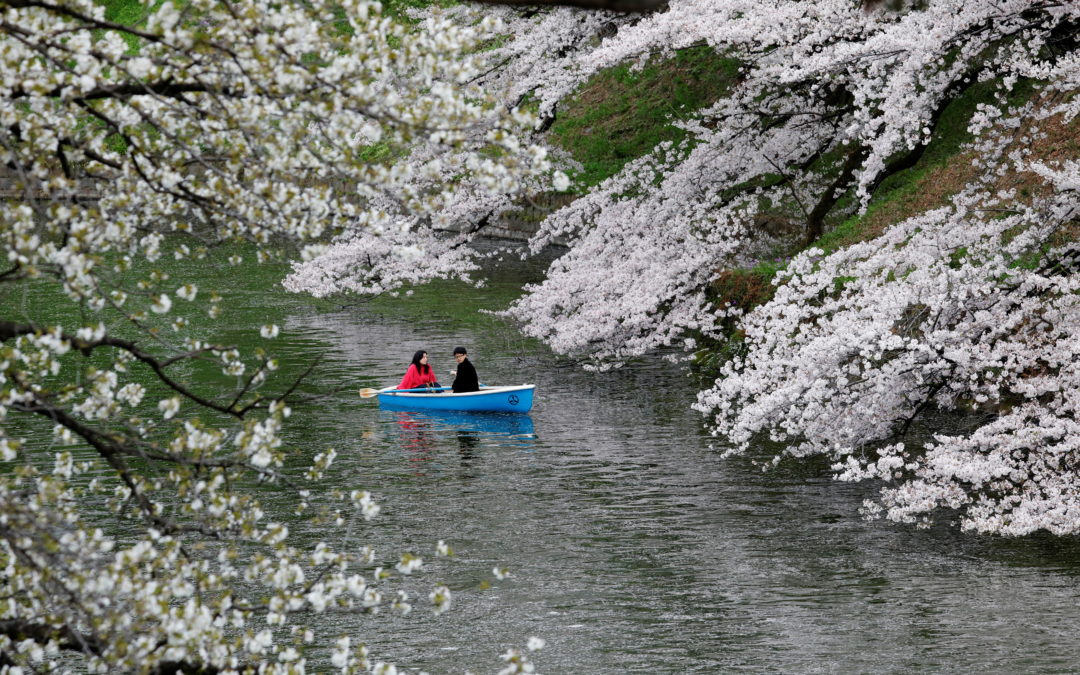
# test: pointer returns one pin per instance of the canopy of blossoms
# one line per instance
(966, 311)
(130, 535)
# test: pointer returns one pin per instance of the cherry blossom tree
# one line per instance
(534, 67)
(130, 535)
(970, 308)
(832, 99)
(961, 309)
(967, 310)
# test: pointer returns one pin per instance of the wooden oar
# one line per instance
(368, 392)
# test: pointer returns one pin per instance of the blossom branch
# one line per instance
(626, 6)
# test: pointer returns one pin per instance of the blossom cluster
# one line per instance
(830, 99)
(970, 312)
(130, 536)
(966, 311)
(530, 61)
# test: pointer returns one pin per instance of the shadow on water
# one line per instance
(518, 427)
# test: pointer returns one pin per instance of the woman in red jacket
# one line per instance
(419, 373)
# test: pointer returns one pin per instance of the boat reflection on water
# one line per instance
(420, 430)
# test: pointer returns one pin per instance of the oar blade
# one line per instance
(368, 392)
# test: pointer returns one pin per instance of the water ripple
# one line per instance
(632, 547)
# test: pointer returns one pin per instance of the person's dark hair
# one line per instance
(421, 368)
(460, 350)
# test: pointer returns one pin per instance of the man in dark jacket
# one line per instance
(466, 379)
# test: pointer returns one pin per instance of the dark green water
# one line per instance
(632, 546)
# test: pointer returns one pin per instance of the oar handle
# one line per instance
(369, 392)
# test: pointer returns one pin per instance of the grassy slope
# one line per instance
(622, 114)
(941, 172)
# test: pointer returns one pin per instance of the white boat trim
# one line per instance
(483, 391)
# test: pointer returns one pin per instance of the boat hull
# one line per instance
(488, 399)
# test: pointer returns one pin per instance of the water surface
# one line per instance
(632, 546)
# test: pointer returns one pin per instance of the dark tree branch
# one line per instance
(10, 330)
(102, 160)
(106, 446)
(548, 120)
(185, 668)
(930, 394)
(288, 392)
(64, 164)
(129, 89)
(624, 6)
(90, 21)
(789, 181)
(159, 370)
(69, 639)
(66, 637)
(815, 222)
(111, 452)
(910, 159)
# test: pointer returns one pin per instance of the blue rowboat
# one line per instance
(488, 399)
